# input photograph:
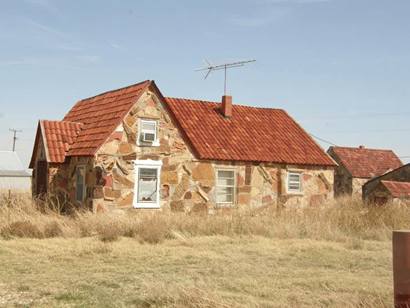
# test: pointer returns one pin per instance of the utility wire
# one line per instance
(323, 140)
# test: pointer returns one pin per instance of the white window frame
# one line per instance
(147, 164)
(155, 143)
(84, 181)
(225, 204)
(288, 182)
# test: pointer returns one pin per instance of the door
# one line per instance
(41, 177)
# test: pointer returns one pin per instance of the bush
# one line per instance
(22, 229)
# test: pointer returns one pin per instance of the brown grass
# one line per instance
(338, 255)
(339, 220)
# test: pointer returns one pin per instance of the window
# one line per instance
(225, 187)
(147, 175)
(294, 182)
(148, 133)
(80, 183)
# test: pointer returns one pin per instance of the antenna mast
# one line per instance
(224, 67)
(15, 131)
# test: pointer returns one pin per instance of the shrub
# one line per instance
(22, 229)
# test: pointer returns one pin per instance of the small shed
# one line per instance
(387, 191)
(13, 176)
(391, 186)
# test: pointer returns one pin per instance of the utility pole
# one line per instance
(15, 131)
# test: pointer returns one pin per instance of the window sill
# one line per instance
(295, 193)
(225, 205)
(146, 206)
(150, 145)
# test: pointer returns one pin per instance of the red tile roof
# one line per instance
(251, 134)
(58, 136)
(101, 115)
(366, 163)
(398, 189)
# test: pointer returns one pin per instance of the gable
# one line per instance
(53, 140)
(251, 134)
(100, 116)
(365, 163)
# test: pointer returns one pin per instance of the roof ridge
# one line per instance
(214, 102)
(118, 89)
(79, 123)
(358, 148)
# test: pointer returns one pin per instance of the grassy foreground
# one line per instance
(213, 271)
(338, 255)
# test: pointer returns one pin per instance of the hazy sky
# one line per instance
(341, 68)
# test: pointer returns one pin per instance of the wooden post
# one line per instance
(401, 268)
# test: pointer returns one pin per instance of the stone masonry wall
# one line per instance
(186, 183)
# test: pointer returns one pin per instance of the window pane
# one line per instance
(225, 194)
(225, 174)
(147, 185)
(226, 182)
(294, 181)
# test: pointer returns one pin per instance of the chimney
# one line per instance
(226, 107)
(361, 146)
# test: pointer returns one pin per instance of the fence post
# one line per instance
(401, 268)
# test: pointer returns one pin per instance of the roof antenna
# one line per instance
(224, 67)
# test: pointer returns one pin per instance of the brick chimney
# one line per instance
(226, 107)
(362, 147)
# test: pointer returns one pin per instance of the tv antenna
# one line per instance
(224, 67)
(15, 131)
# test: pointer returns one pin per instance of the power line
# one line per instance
(15, 131)
(323, 140)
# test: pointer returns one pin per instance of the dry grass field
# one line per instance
(335, 256)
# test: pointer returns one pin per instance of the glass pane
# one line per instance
(147, 185)
(294, 177)
(226, 182)
(226, 174)
(294, 186)
(148, 137)
(225, 194)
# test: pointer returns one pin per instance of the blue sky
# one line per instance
(341, 68)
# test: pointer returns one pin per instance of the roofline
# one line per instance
(118, 89)
(213, 102)
(335, 164)
(143, 90)
(378, 177)
(44, 140)
(357, 148)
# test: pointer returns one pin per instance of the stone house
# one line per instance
(358, 165)
(134, 148)
(393, 186)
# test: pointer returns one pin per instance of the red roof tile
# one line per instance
(100, 115)
(398, 189)
(251, 134)
(366, 163)
(58, 136)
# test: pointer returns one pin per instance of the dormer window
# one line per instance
(148, 133)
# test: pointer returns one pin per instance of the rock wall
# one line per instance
(357, 186)
(186, 184)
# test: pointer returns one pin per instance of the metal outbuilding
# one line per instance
(13, 176)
